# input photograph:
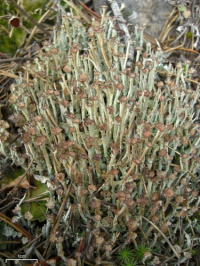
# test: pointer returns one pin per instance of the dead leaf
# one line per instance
(24, 183)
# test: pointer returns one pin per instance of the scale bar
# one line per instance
(21, 259)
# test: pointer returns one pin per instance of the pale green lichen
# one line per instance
(127, 137)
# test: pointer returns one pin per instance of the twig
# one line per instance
(28, 244)
(10, 242)
(186, 249)
(35, 28)
(79, 12)
(164, 73)
(16, 226)
(60, 213)
(15, 59)
(163, 235)
(181, 48)
(8, 74)
(123, 27)
(7, 255)
(98, 17)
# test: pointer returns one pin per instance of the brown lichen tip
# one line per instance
(56, 130)
(95, 204)
(132, 225)
(39, 140)
(162, 153)
(168, 192)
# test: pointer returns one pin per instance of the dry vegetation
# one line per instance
(117, 147)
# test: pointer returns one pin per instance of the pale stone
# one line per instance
(149, 13)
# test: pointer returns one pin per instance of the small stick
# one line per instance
(79, 12)
(164, 73)
(17, 226)
(171, 246)
(29, 243)
(15, 59)
(8, 74)
(90, 11)
(60, 213)
(46, 14)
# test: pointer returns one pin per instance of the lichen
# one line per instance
(127, 138)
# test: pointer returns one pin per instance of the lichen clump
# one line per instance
(125, 137)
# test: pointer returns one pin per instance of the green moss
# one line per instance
(125, 255)
(32, 5)
(189, 35)
(139, 252)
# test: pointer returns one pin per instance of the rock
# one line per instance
(149, 13)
